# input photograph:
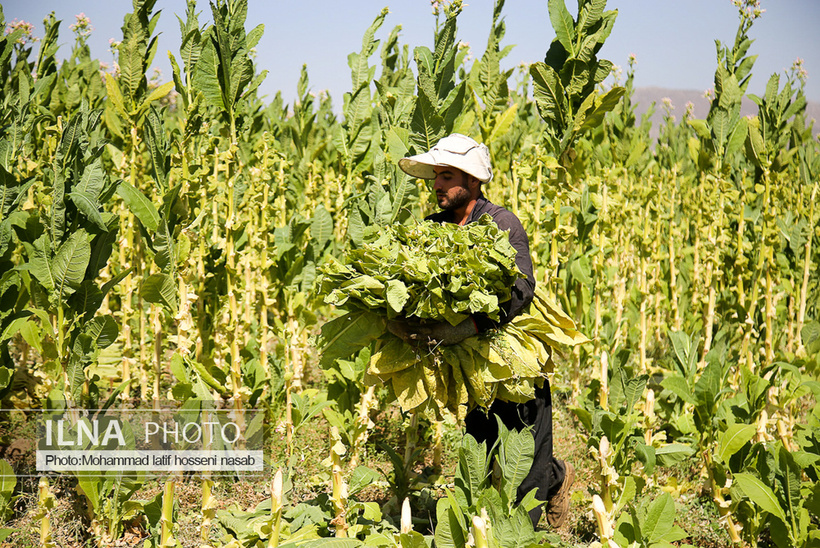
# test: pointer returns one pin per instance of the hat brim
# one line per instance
(421, 165)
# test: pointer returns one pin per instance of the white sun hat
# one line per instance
(456, 150)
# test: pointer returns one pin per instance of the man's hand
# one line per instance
(441, 333)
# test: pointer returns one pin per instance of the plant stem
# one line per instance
(804, 288)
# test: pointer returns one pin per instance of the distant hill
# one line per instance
(644, 97)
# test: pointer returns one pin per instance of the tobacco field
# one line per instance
(183, 243)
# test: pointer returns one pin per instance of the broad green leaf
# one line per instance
(449, 533)
(396, 295)
(630, 490)
(811, 337)
(563, 24)
(160, 289)
(472, 467)
(90, 483)
(75, 369)
(321, 227)
(503, 123)
(759, 494)
(157, 94)
(708, 386)
(140, 206)
(755, 147)
(360, 478)
(90, 207)
(660, 518)
(515, 457)
(788, 478)
(633, 391)
(115, 95)
(735, 437)
(69, 263)
(678, 386)
(206, 71)
(549, 94)
(8, 480)
(738, 137)
(103, 330)
(672, 453)
(646, 454)
(346, 335)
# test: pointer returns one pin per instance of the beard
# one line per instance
(456, 197)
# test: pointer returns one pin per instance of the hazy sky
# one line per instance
(673, 40)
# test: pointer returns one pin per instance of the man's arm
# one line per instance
(523, 290)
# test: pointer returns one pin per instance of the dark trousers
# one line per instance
(546, 473)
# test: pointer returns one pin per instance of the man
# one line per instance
(459, 166)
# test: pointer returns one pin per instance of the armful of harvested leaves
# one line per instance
(430, 273)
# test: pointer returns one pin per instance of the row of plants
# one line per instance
(160, 244)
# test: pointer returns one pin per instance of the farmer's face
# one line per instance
(451, 187)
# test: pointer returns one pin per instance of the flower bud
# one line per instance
(604, 448)
(276, 491)
(406, 518)
(480, 533)
(604, 526)
(650, 405)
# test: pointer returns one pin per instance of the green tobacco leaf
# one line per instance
(142, 208)
(646, 454)
(633, 391)
(160, 289)
(5, 376)
(396, 295)
(672, 453)
(755, 146)
(360, 478)
(660, 518)
(708, 385)
(449, 531)
(346, 335)
(103, 330)
(811, 337)
(206, 70)
(89, 483)
(738, 137)
(90, 207)
(165, 247)
(115, 95)
(75, 370)
(321, 227)
(735, 437)
(701, 128)
(563, 24)
(678, 386)
(549, 94)
(515, 458)
(472, 467)
(630, 490)
(7, 480)
(594, 116)
(69, 264)
(157, 94)
(788, 479)
(760, 494)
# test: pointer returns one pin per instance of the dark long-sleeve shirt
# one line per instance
(524, 288)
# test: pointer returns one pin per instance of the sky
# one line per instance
(672, 40)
